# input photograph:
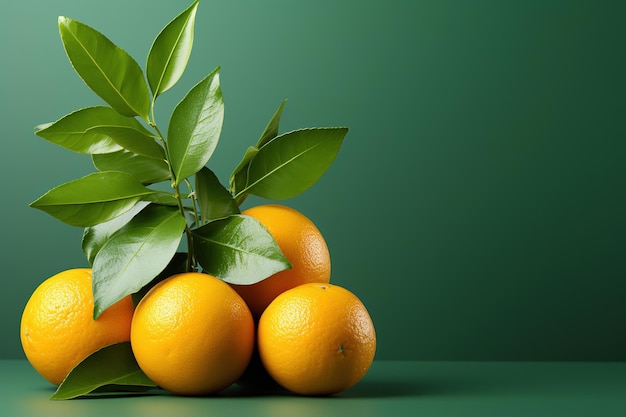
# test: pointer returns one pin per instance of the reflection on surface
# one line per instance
(444, 389)
(32, 400)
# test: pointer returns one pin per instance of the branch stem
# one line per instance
(191, 260)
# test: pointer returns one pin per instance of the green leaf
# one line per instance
(135, 254)
(146, 169)
(214, 200)
(113, 368)
(239, 176)
(163, 198)
(271, 130)
(238, 250)
(75, 131)
(93, 199)
(195, 127)
(101, 130)
(134, 140)
(170, 51)
(291, 163)
(95, 237)
(107, 69)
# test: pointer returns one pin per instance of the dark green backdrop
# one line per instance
(478, 205)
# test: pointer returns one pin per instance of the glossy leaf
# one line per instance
(135, 254)
(291, 163)
(195, 127)
(101, 130)
(239, 176)
(238, 250)
(214, 200)
(134, 140)
(146, 169)
(271, 130)
(93, 199)
(170, 51)
(113, 368)
(95, 237)
(78, 132)
(106, 68)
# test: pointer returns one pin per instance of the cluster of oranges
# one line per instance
(194, 334)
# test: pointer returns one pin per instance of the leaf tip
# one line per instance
(63, 20)
(287, 263)
(58, 395)
(97, 309)
(35, 204)
(41, 127)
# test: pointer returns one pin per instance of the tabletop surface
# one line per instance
(390, 388)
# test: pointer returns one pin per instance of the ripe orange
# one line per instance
(316, 339)
(192, 334)
(57, 329)
(302, 244)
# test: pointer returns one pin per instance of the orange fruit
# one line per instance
(316, 339)
(192, 334)
(57, 329)
(302, 244)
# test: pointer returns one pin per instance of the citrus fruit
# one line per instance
(192, 334)
(57, 329)
(302, 244)
(316, 339)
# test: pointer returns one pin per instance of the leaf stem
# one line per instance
(191, 261)
(194, 200)
(240, 198)
(153, 121)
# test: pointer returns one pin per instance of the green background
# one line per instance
(478, 204)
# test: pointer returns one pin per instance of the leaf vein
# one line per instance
(278, 167)
(103, 73)
(169, 57)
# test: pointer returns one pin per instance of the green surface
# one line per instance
(441, 389)
(477, 205)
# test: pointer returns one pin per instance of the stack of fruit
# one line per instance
(249, 301)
